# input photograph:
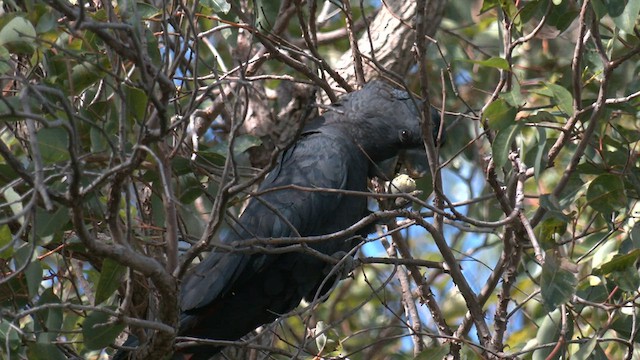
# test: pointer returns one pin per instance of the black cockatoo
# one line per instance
(229, 294)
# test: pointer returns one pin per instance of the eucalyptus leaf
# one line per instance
(557, 284)
(606, 194)
(53, 143)
(625, 14)
(49, 223)
(111, 276)
(562, 98)
(44, 351)
(549, 333)
(18, 35)
(502, 144)
(499, 115)
(98, 332)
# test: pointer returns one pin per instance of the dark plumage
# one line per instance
(228, 295)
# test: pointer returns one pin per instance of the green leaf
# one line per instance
(220, 6)
(628, 279)
(549, 333)
(624, 325)
(110, 279)
(190, 189)
(557, 285)
(32, 272)
(606, 194)
(541, 153)
(18, 35)
(599, 8)
(98, 141)
(586, 350)
(493, 62)
(245, 142)
(7, 174)
(562, 15)
(514, 97)
(5, 239)
(153, 48)
(621, 269)
(542, 116)
(100, 110)
(53, 144)
(98, 331)
(48, 321)
(71, 322)
(136, 100)
(47, 21)
(9, 335)
(147, 11)
(562, 98)
(50, 223)
(44, 351)
(488, 5)
(573, 191)
(208, 158)
(553, 207)
(267, 13)
(15, 292)
(425, 185)
(217, 153)
(5, 59)
(618, 263)
(15, 201)
(615, 7)
(530, 9)
(181, 166)
(606, 251)
(513, 13)
(628, 14)
(157, 208)
(86, 74)
(548, 229)
(634, 235)
(501, 146)
(499, 115)
(598, 293)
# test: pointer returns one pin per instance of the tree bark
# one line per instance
(386, 45)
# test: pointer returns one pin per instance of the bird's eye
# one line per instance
(404, 135)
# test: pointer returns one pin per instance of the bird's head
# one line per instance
(382, 120)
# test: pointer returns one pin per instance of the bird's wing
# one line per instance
(317, 160)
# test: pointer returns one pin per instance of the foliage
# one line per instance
(132, 130)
